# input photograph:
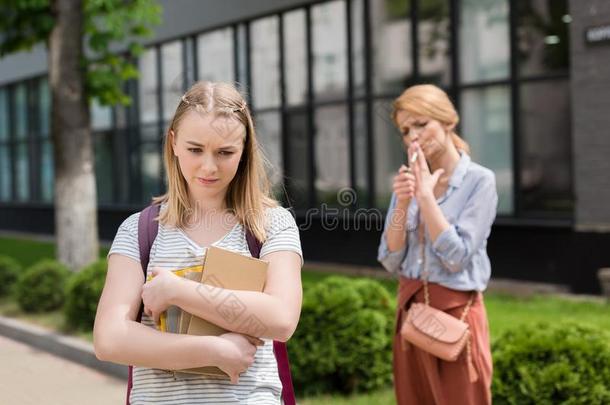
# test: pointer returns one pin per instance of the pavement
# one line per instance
(31, 377)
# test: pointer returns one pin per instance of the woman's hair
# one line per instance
(430, 101)
(249, 193)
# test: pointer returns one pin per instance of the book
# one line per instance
(231, 271)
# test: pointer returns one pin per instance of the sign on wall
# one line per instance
(598, 34)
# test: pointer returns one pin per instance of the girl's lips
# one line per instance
(206, 181)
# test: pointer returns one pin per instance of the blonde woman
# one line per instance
(217, 189)
(442, 209)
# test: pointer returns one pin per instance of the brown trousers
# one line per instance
(422, 379)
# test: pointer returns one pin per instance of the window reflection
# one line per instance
(389, 153)
(101, 116)
(265, 61)
(297, 164)
(104, 167)
(332, 153)
(173, 77)
(22, 174)
(5, 173)
(148, 84)
(486, 126)
(295, 54)
(47, 172)
(269, 137)
(329, 50)
(391, 46)
(545, 146)
(434, 42)
(358, 46)
(484, 57)
(151, 171)
(543, 39)
(44, 97)
(215, 56)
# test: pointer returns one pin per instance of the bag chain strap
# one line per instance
(426, 274)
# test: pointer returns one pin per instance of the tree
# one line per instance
(72, 29)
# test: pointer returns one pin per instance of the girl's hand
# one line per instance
(158, 293)
(424, 180)
(237, 354)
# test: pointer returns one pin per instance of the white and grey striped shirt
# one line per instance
(173, 249)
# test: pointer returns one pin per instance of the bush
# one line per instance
(344, 338)
(83, 293)
(9, 272)
(40, 288)
(563, 363)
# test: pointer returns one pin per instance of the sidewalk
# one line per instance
(32, 377)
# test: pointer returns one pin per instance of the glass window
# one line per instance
(486, 126)
(389, 153)
(5, 173)
(269, 137)
(104, 163)
(391, 46)
(22, 175)
(297, 164)
(265, 63)
(151, 171)
(545, 153)
(434, 42)
(332, 153)
(295, 54)
(242, 58)
(21, 111)
(44, 96)
(4, 124)
(101, 116)
(543, 36)
(484, 57)
(47, 172)
(329, 56)
(361, 155)
(215, 56)
(147, 89)
(173, 77)
(358, 47)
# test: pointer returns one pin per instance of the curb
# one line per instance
(67, 347)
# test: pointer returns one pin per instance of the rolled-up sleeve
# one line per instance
(391, 261)
(456, 245)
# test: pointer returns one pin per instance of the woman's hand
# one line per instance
(424, 180)
(158, 293)
(237, 354)
(403, 187)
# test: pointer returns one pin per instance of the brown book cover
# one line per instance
(229, 270)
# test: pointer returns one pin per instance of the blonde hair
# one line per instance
(430, 101)
(249, 192)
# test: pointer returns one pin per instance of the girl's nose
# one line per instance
(208, 164)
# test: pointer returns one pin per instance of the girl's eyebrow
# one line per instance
(194, 143)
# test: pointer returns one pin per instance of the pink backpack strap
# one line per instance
(279, 348)
(148, 227)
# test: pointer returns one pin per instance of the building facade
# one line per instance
(527, 76)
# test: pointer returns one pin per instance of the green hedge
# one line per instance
(562, 363)
(344, 338)
(40, 288)
(9, 272)
(83, 293)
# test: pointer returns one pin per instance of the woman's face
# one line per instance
(209, 149)
(429, 133)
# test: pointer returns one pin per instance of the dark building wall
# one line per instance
(590, 86)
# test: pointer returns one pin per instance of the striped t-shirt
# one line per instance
(173, 249)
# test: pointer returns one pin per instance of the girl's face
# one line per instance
(209, 149)
(430, 134)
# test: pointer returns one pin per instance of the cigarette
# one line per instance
(413, 158)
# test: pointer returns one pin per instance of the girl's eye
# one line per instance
(226, 152)
(420, 124)
(195, 150)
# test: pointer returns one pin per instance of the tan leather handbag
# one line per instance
(435, 331)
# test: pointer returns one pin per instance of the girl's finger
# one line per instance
(421, 160)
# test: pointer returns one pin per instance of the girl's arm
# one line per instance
(120, 339)
(271, 314)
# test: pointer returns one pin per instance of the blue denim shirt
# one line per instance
(458, 258)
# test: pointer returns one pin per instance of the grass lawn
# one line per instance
(504, 312)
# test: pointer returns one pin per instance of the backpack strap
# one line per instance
(279, 348)
(148, 227)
